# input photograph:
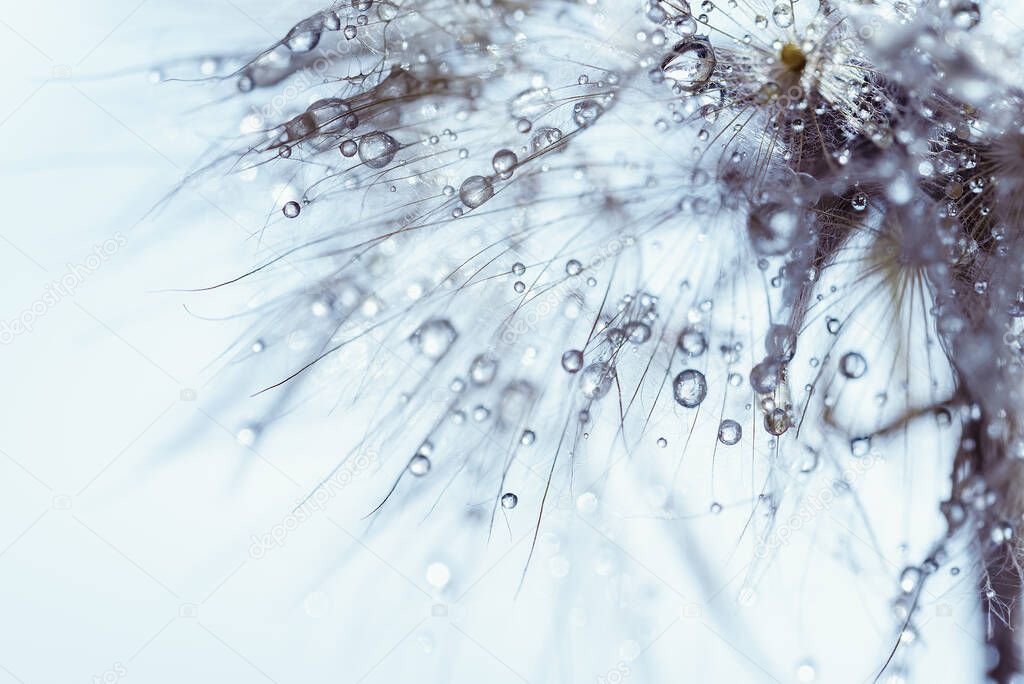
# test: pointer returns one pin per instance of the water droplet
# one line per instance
(348, 148)
(438, 575)
(765, 376)
(419, 465)
(806, 673)
(476, 190)
(966, 14)
(729, 432)
(780, 342)
(434, 337)
(504, 162)
(853, 365)
(690, 388)
(860, 446)
(305, 35)
(247, 435)
(377, 149)
(909, 579)
(692, 342)
(544, 138)
(596, 380)
(509, 500)
(587, 502)
(638, 332)
(587, 112)
(572, 361)
(291, 209)
(573, 267)
(483, 369)
(782, 14)
(690, 64)
(332, 22)
(777, 421)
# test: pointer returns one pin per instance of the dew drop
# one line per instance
(504, 162)
(729, 432)
(291, 209)
(853, 365)
(572, 361)
(586, 113)
(806, 672)
(782, 15)
(483, 369)
(777, 421)
(476, 190)
(966, 14)
(638, 332)
(596, 380)
(780, 343)
(419, 465)
(692, 342)
(438, 575)
(690, 388)
(509, 500)
(690, 64)
(909, 579)
(377, 149)
(860, 446)
(304, 36)
(765, 376)
(434, 337)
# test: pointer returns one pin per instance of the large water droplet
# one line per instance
(434, 337)
(782, 14)
(690, 64)
(596, 380)
(690, 388)
(305, 35)
(483, 369)
(572, 361)
(476, 190)
(853, 365)
(504, 162)
(377, 149)
(729, 432)
(780, 342)
(587, 112)
(765, 376)
(692, 342)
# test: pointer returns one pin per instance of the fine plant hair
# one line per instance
(531, 240)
